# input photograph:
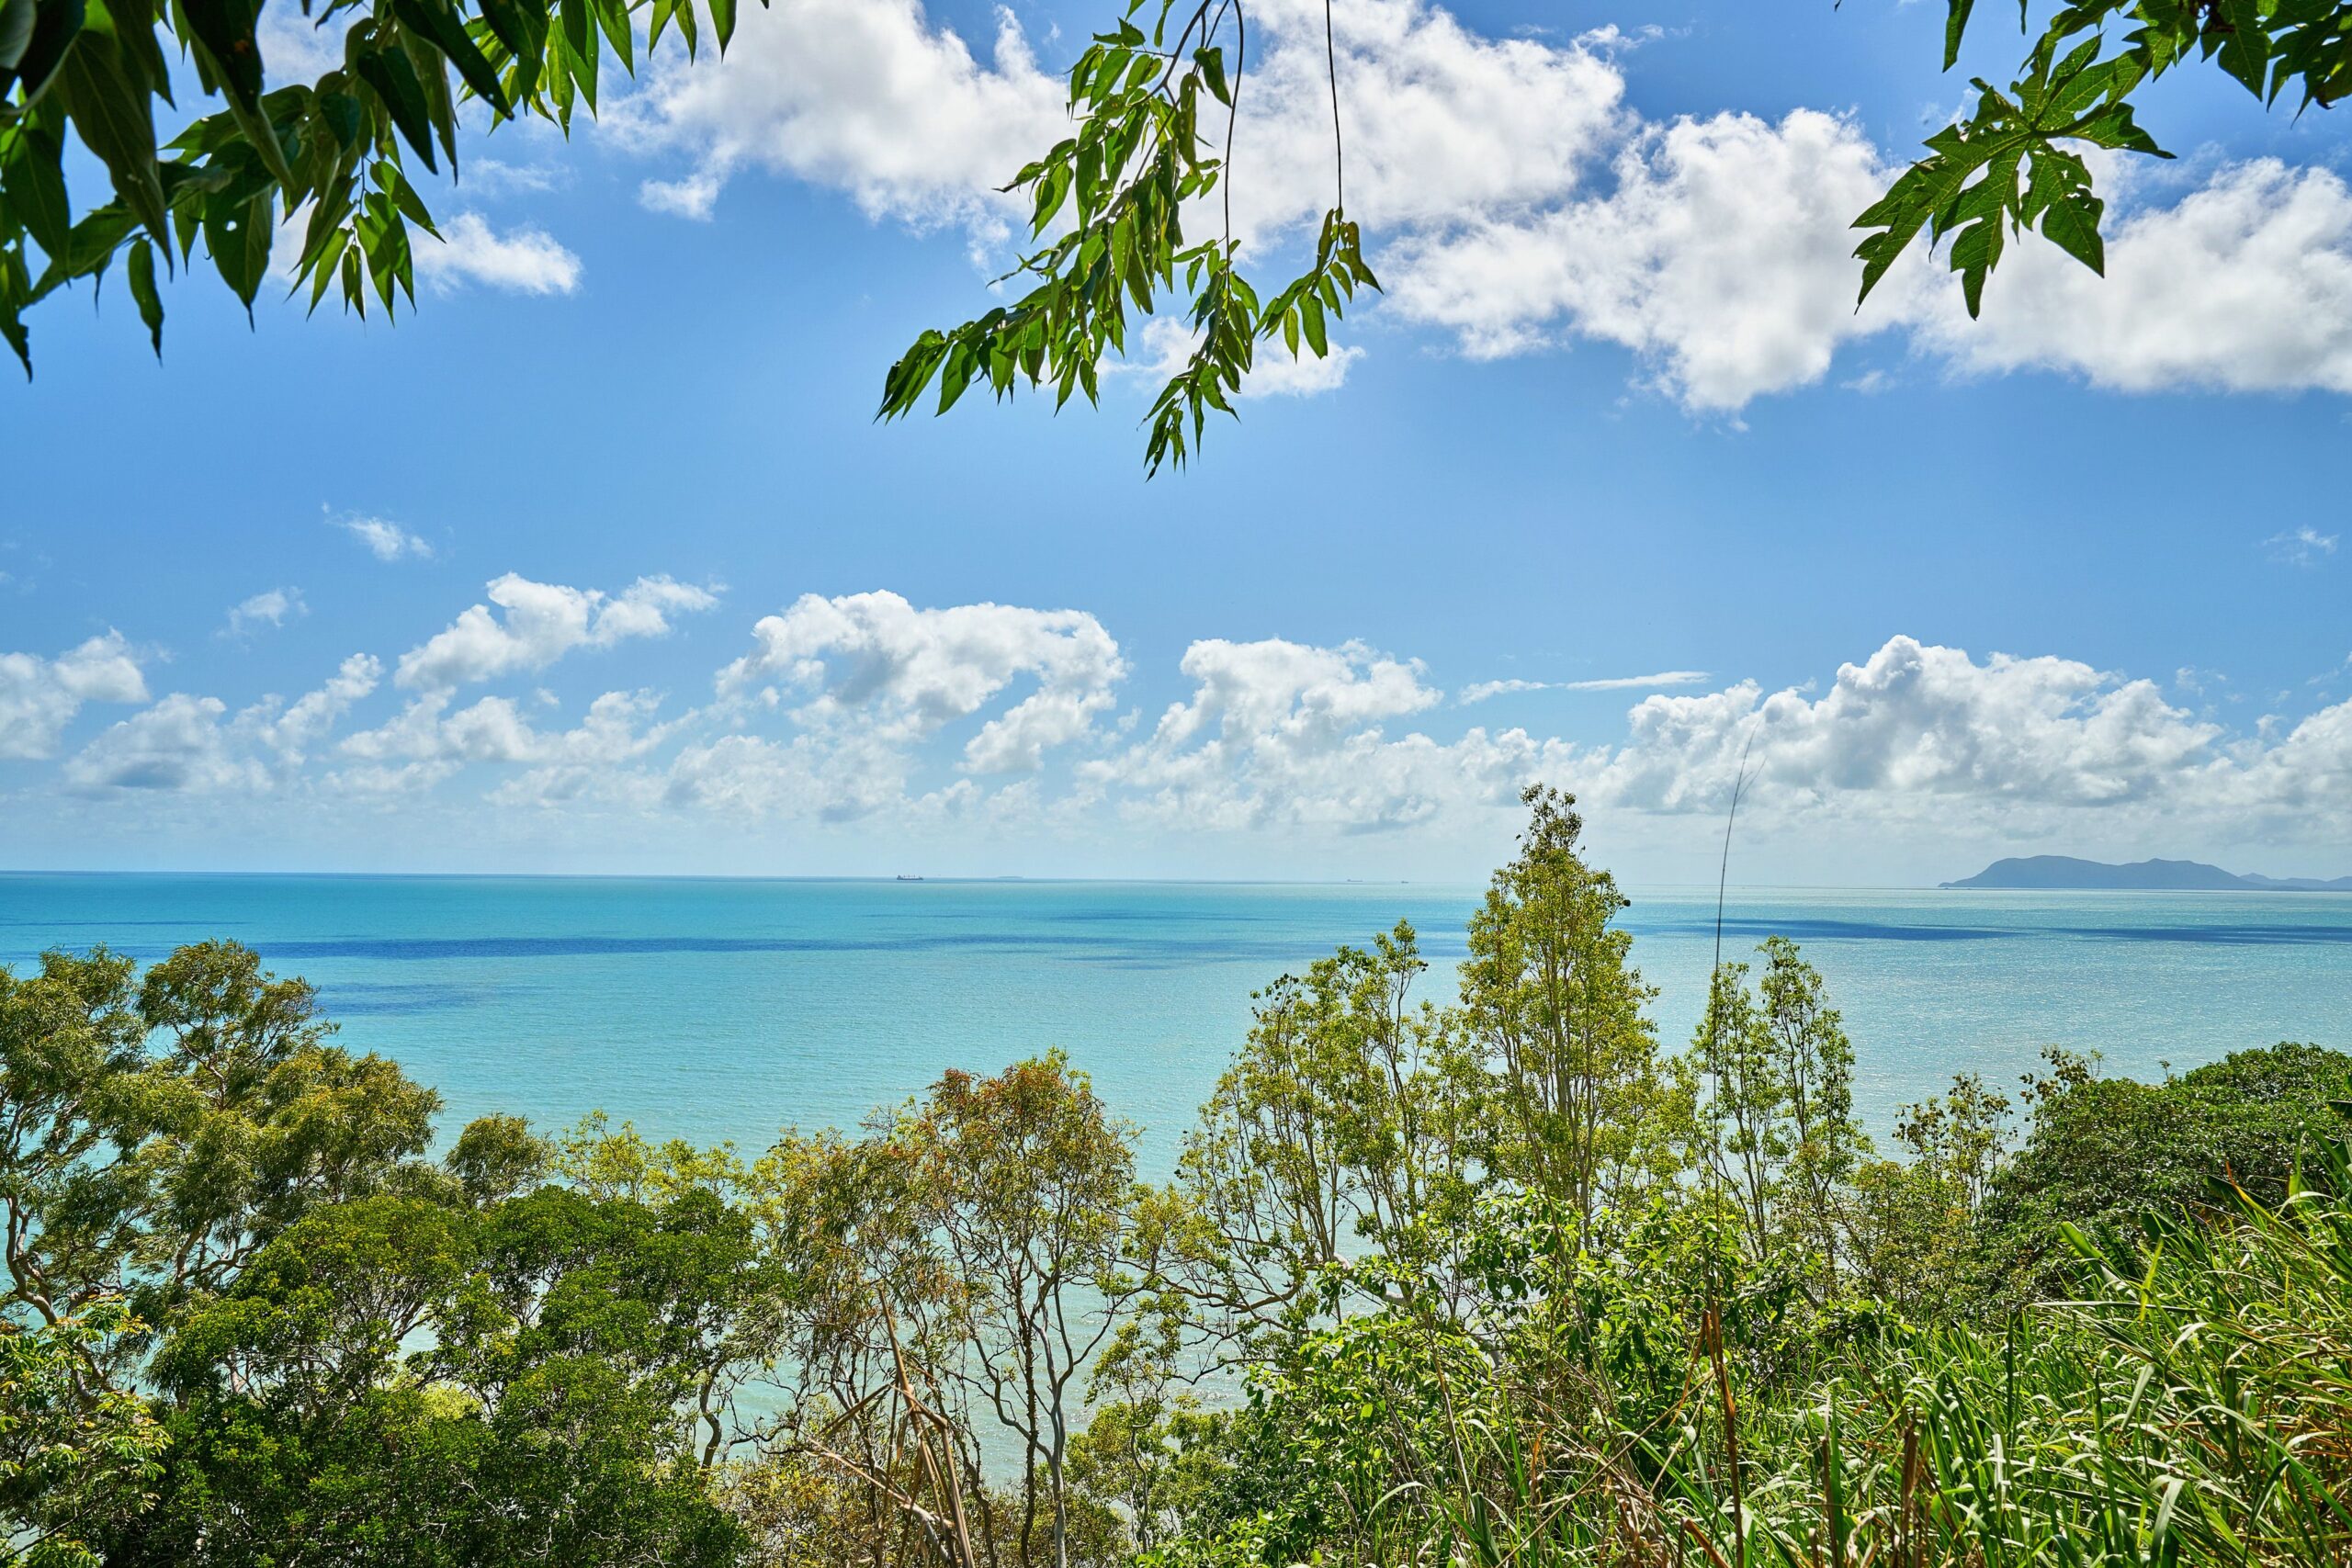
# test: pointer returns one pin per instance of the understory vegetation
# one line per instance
(1493, 1278)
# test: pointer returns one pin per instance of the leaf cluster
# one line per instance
(1115, 199)
(2013, 163)
(334, 154)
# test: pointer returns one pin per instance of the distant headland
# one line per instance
(2169, 875)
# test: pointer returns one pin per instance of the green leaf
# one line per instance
(1955, 25)
(437, 21)
(579, 50)
(56, 24)
(141, 269)
(322, 274)
(225, 29)
(115, 117)
(34, 184)
(1310, 324)
(722, 22)
(389, 72)
(15, 292)
(238, 235)
(613, 16)
(395, 184)
(1211, 64)
(17, 21)
(2072, 224)
(2245, 41)
(522, 27)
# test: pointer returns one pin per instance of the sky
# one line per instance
(597, 562)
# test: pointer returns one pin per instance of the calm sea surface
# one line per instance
(714, 1009)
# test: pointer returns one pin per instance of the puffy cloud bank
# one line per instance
(1010, 720)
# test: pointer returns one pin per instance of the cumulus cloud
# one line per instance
(865, 95)
(1722, 258)
(2245, 284)
(289, 733)
(994, 717)
(39, 696)
(543, 621)
(1439, 121)
(193, 744)
(271, 607)
(1918, 728)
(178, 744)
(520, 261)
(426, 742)
(902, 673)
(900, 113)
(386, 540)
(1279, 732)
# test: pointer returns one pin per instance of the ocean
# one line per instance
(716, 1009)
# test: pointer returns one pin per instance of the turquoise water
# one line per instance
(717, 1009)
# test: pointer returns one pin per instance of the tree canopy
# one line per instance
(1436, 1276)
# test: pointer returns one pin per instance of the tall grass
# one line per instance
(2196, 1411)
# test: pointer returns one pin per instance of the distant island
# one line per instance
(2169, 875)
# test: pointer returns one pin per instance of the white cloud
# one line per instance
(863, 96)
(271, 607)
(521, 261)
(875, 660)
(493, 176)
(289, 734)
(1480, 691)
(426, 742)
(386, 540)
(1916, 729)
(178, 744)
(2304, 546)
(1439, 121)
(1722, 258)
(191, 744)
(39, 696)
(2245, 284)
(543, 622)
(1283, 733)
(987, 719)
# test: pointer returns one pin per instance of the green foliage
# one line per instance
(1114, 197)
(2013, 165)
(72, 1457)
(1778, 1123)
(1491, 1280)
(92, 72)
(1589, 1112)
(2107, 1156)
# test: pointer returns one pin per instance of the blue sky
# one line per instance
(2071, 579)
